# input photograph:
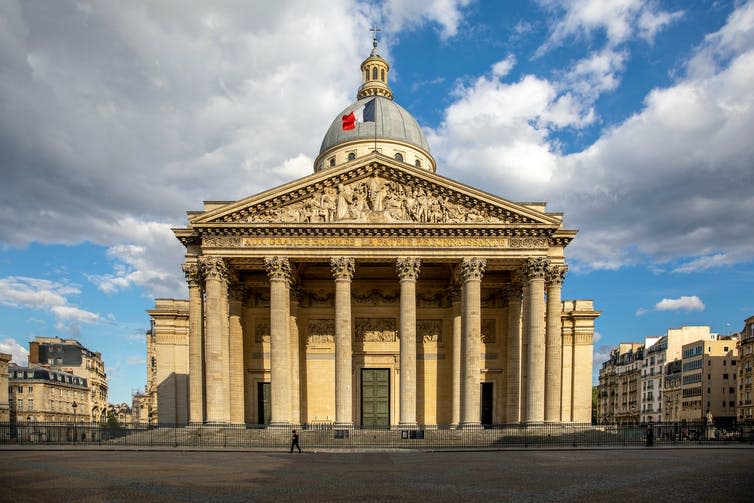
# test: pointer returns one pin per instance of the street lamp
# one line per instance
(74, 405)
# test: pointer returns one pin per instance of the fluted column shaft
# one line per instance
(295, 359)
(472, 270)
(235, 330)
(279, 271)
(553, 344)
(455, 389)
(343, 269)
(196, 343)
(215, 346)
(534, 273)
(513, 374)
(408, 271)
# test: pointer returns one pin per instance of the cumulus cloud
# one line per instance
(45, 295)
(619, 20)
(684, 303)
(19, 354)
(409, 14)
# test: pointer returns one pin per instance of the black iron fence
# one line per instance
(325, 436)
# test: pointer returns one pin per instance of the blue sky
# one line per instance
(633, 117)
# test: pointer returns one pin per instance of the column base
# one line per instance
(342, 426)
(408, 426)
(278, 425)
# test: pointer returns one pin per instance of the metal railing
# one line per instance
(323, 435)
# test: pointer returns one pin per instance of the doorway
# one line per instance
(264, 407)
(487, 394)
(375, 398)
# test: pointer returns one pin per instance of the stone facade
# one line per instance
(373, 292)
(4, 411)
(42, 395)
(744, 406)
(68, 355)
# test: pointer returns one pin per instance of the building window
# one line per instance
(31, 389)
(332, 161)
(374, 73)
(725, 376)
(418, 163)
(398, 156)
(20, 389)
(31, 404)
(351, 156)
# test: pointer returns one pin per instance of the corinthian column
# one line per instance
(408, 271)
(455, 387)
(215, 345)
(553, 344)
(295, 355)
(534, 275)
(513, 375)
(236, 292)
(279, 271)
(472, 270)
(342, 270)
(196, 342)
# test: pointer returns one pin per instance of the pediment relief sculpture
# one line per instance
(378, 199)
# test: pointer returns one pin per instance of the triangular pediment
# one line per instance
(375, 190)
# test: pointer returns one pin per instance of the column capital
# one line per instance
(555, 274)
(534, 268)
(473, 268)
(408, 267)
(193, 273)
(213, 268)
(278, 268)
(342, 267)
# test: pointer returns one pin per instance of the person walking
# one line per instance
(650, 435)
(294, 441)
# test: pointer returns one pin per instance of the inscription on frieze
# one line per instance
(376, 330)
(378, 242)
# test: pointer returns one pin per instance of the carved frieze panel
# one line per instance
(489, 335)
(376, 330)
(320, 332)
(429, 330)
(426, 298)
(262, 331)
(529, 242)
(376, 296)
(221, 241)
(377, 199)
(318, 298)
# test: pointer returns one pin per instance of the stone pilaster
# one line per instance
(408, 271)
(216, 368)
(534, 275)
(342, 270)
(194, 277)
(455, 388)
(553, 343)
(236, 291)
(472, 270)
(513, 373)
(279, 272)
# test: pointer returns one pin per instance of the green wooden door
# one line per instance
(375, 398)
(264, 392)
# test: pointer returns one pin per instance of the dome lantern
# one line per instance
(374, 74)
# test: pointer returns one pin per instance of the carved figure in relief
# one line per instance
(328, 203)
(345, 198)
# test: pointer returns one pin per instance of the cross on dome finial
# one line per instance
(374, 31)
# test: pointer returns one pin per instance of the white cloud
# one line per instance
(503, 67)
(619, 20)
(684, 303)
(19, 354)
(641, 311)
(135, 360)
(411, 14)
(34, 293)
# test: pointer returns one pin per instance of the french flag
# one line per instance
(365, 113)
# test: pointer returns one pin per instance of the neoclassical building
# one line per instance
(373, 292)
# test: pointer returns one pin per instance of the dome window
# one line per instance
(332, 162)
(351, 156)
(374, 73)
(382, 75)
(398, 156)
(418, 163)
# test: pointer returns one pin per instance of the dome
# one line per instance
(392, 121)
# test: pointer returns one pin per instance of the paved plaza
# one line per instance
(81, 476)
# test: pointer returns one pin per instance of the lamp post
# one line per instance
(74, 405)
